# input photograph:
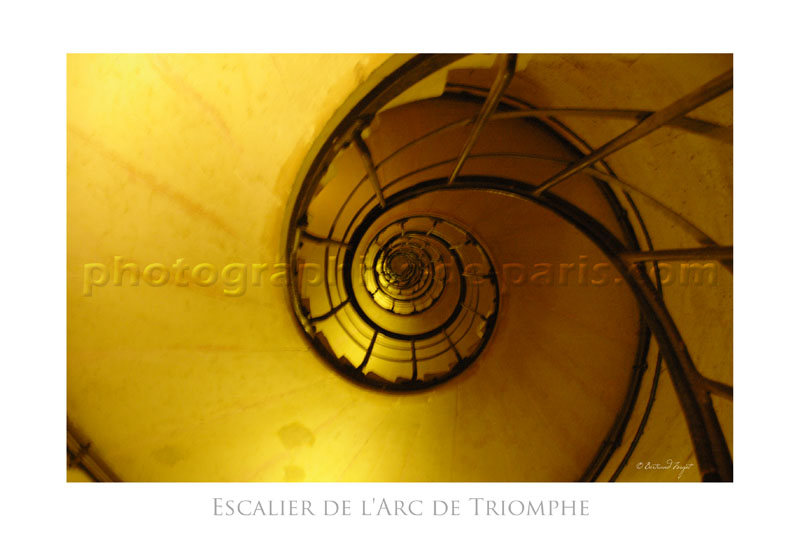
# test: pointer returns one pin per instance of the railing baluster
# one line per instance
(369, 351)
(678, 254)
(718, 388)
(329, 313)
(475, 312)
(450, 342)
(506, 72)
(322, 240)
(695, 126)
(369, 164)
(711, 90)
(413, 360)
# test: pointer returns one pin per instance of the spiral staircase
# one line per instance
(480, 253)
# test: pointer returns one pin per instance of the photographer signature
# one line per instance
(668, 465)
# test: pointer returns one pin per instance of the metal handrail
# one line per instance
(692, 388)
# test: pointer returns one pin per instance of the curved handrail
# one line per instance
(692, 388)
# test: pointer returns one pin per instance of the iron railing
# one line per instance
(404, 269)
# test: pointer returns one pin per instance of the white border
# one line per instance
(36, 39)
